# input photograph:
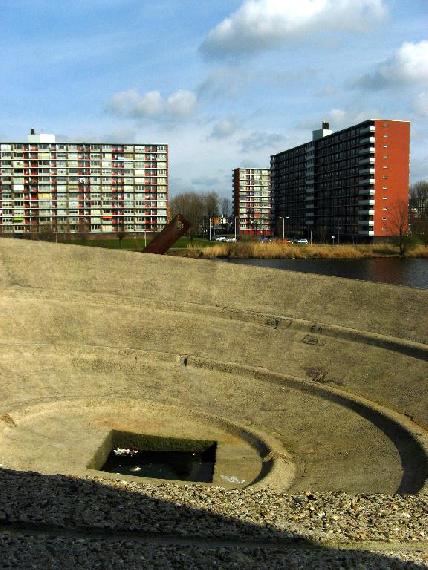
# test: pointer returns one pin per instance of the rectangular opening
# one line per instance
(156, 457)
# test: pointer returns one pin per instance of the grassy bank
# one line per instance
(136, 243)
(203, 248)
(280, 250)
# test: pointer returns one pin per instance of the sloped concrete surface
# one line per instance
(324, 378)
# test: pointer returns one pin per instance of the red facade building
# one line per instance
(351, 185)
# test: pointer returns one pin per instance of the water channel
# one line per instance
(409, 272)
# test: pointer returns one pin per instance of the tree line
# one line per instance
(199, 207)
(418, 210)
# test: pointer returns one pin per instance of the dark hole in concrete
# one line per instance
(157, 457)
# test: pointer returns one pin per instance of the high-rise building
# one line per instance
(351, 184)
(78, 187)
(252, 201)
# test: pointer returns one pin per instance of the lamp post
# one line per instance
(283, 218)
(236, 229)
(283, 230)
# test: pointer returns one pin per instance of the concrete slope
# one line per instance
(324, 378)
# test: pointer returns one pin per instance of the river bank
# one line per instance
(280, 250)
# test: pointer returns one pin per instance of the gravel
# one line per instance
(30, 552)
(132, 524)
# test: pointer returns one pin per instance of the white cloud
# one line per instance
(224, 129)
(408, 65)
(255, 141)
(421, 104)
(116, 135)
(338, 119)
(264, 24)
(180, 104)
(341, 119)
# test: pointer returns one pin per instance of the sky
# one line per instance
(226, 83)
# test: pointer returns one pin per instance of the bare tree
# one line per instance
(46, 232)
(83, 229)
(419, 198)
(398, 224)
(196, 207)
(120, 235)
(226, 207)
(418, 210)
(212, 204)
(191, 206)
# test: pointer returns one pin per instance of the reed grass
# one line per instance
(281, 250)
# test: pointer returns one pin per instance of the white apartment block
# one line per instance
(95, 188)
(252, 201)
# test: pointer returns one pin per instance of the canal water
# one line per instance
(409, 272)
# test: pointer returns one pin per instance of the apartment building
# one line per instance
(252, 201)
(351, 185)
(95, 188)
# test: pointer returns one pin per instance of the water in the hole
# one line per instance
(178, 465)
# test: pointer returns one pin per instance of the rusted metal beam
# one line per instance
(168, 236)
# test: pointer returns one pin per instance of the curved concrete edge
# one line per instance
(408, 347)
(277, 467)
(410, 439)
(405, 346)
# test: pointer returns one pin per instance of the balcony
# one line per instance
(366, 233)
(366, 222)
(366, 170)
(367, 150)
(367, 192)
(366, 202)
(367, 130)
(366, 181)
(367, 160)
(366, 140)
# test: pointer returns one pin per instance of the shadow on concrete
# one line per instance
(55, 521)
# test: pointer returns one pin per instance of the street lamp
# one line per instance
(283, 224)
(236, 232)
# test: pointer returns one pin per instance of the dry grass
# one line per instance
(281, 250)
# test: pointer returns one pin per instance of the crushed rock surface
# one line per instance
(264, 528)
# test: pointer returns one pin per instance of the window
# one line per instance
(385, 146)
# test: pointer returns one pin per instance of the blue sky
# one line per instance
(224, 83)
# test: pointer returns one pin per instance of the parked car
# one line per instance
(220, 238)
(302, 241)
